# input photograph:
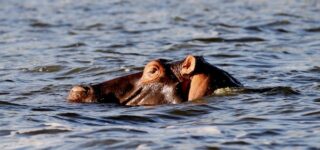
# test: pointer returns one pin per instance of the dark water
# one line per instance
(48, 46)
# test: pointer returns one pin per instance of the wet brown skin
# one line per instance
(161, 82)
(155, 85)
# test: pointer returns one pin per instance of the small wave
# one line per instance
(236, 143)
(316, 29)
(97, 26)
(2, 103)
(287, 15)
(275, 23)
(194, 110)
(225, 25)
(82, 119)
(178, 47)
(108, 51)
(46, 69)
(143, 30)
(68, 114)
(9, 105)
(222, 55)
(130, 119)
(98, 144)
(220, 40)
(269, 132)
(165, 116)
(314, 113)
(315, 69)
(179, 19)
(199, 130)
(284, 90)
(260, 28)
(79, 44)
(266, 90)
(39, 24)
(42, 131)
(186, 113)
(282, 30)
(252, 119)
(123, 130)
(5, 132)
(4, 93)
(254, 28)
(75, 70)
(317, 100)
(42, 109)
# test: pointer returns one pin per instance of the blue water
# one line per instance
(48, 46)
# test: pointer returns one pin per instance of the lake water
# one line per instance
(47, 46)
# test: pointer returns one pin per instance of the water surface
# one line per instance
(48, 46)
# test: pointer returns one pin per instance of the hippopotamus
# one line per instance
(161, 82)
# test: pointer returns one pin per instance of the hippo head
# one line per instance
(161, 82)
(157, 84)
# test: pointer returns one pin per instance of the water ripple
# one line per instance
(42, 109)
(5, 132)
(42, 131)
(252, 119)
(47, 69)
(4, 103)
(238, 40)
(124, 119)
(316, 29)
(100, 143)
(114, 130)
(270, 46)
(191, 111)
(74, 45)
(40, 25)
(314, 113)
(271, 133)
(236, 143)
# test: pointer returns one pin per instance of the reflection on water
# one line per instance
(48, 46)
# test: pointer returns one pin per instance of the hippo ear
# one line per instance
(152, 71)
(188, 65)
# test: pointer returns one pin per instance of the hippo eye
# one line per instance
(152, 70)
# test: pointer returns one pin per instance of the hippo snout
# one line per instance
(81, 93)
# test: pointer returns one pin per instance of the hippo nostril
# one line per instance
(86, 88)
(82, 93)
(78, 92)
